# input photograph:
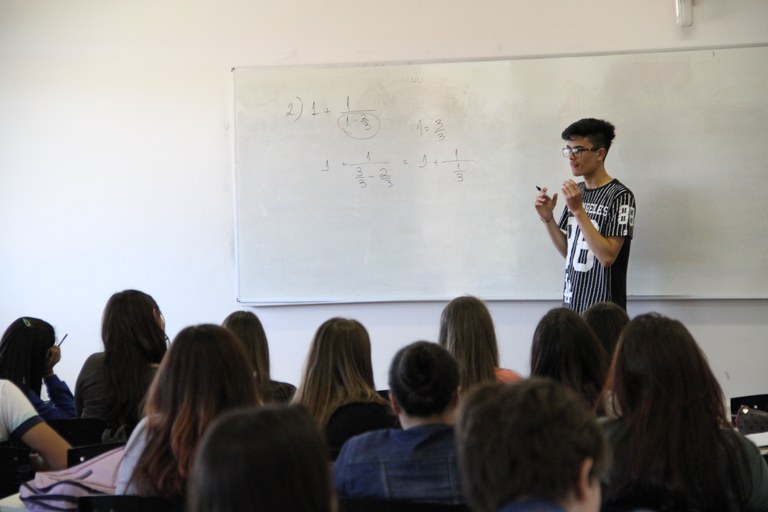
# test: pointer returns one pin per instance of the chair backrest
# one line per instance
(78, 454)
(79, 431)
(353, 419)
(121, 503)
(15, 468)
(369, 505)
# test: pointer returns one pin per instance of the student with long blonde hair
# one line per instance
(247, 326)
(467, 332)
(337, 385)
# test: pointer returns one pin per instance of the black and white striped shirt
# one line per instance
(612, 210)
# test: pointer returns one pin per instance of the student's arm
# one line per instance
(61, 397)
(605, 249)
(51, 447)
(545, 207)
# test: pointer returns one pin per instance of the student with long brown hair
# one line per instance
(467, 332)
(112, 384)
(247, 326)
(205, 373)
(606, 319)
(674, 447)
(565, 349)
(337, 385)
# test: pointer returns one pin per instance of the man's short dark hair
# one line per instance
(600, 133)
(527, 439)
(423, 377)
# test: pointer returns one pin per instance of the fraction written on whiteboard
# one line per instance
(379, 170)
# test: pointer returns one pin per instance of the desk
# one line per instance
(11, 503)
(760, 439)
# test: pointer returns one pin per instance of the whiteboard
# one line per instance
(417, 181)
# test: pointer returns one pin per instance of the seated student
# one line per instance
(19, 420)
(417, 462)
(674, 447)
(606, 319)
(266, 459)
(565, 349)
(28, 354)
(248, 328)
(112, 384)
(467, 332)
(337, 385)
(205, 373)
(532, 446)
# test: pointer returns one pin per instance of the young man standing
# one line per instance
(595, 229)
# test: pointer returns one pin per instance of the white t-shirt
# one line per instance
(17, 414)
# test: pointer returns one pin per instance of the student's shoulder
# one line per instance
(619, 188)
(367, 441)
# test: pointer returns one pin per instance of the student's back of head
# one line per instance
(673, 440)
(531, 440)
(247, 327)
(467, 332)
(423, 378)
(565, 349)
(204, 374)
(24, 352)
(606, 319)
(338, 369)
(269, 459)
(133, 333)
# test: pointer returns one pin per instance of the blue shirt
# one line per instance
(416, 464)
(61, 404)
(532, 506)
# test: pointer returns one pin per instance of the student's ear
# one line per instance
(456, 397)
(585, 485)
(395, 406)
(159, 318)
(601, 154)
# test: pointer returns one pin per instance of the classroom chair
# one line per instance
(122, 503)
(370, 505)
(79, 431)
(78, 454)
(15, 468)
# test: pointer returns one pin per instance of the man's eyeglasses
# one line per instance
(577, 151)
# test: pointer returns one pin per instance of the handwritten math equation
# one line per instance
(360, 124)
(369, 171)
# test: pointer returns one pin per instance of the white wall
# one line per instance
(116, 168)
